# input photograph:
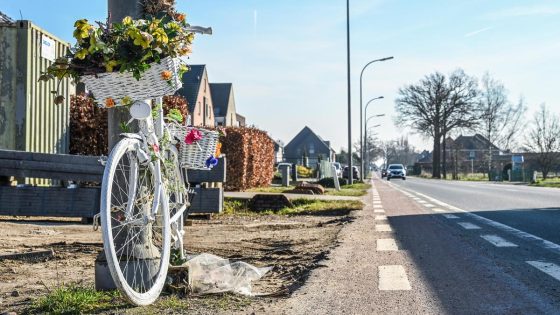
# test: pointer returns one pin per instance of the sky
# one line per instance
(287, 59)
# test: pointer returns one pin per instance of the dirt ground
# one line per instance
(292, 245)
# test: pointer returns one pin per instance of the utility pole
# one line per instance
(350, 171)
(118, 9)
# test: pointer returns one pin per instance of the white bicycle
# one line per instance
(144, 196)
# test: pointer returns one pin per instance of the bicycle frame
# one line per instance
(150, 132)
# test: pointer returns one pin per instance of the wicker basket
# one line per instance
(194, 156)
(116, 85)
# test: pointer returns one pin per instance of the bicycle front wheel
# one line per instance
(136, 242)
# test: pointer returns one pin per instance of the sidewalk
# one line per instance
(249, 195)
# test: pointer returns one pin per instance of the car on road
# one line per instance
(355, 172)
(383, 173)
(396, 171)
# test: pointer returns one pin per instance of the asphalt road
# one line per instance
(535, 210)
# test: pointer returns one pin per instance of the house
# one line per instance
(196, 90)
(241, 121)
(278, 151)
(224, 104)
(307, 148)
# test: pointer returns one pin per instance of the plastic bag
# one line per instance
(212, 274)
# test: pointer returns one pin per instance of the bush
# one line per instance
(88, 127)
(329, 182)
(250, 158)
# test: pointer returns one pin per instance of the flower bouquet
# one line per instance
(127, 61)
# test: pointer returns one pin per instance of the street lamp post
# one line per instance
(361, 117)
(350, 180)
(364, 149)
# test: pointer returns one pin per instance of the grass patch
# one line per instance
(549, 182)
(272, 189)
(355, 190)
(75, 299)
(301, 207)
(320, 207)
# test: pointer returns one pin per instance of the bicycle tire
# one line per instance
(140, 269)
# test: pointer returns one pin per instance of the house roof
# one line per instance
(4, 19)
(191, 85)
(475, 142)
(221, 93)
(306, 130)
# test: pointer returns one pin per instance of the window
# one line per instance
(311, 148)
(199, 108)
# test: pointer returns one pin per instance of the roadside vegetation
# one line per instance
(301, 207)
(549, 182)
(473, 177)
(355, 190)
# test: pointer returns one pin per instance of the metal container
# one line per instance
(29, 119)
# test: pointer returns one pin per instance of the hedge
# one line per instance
(89, 123)
(250, 158)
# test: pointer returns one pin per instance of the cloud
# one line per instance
(482, 30)
(524, 11)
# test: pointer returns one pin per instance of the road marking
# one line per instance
(386, 244)
(380, 217)
(377, 206)
(550, 269)
(450, 216)
(383, 228)
(438, 210)
(469, 226)
(429, 205)
(392, 278)
(379, 211)
(553, 247)
(498, 241)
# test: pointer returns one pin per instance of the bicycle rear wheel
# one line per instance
(136, 244)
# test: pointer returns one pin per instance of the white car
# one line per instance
(396, 170)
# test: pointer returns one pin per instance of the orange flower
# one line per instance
(218, 150)
(166, 75)
(109, 102)
(180, 17)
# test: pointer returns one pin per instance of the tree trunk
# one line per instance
(436, 154)
(444, 159)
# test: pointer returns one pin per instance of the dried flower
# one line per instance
(109, 102)
(166, 75)
(59, 100)
(180, 17)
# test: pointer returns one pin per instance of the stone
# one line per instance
(263, 202)
(316, 188)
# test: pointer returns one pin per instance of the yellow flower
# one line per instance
(109, 102)
(166, 75)
(218, 150)
(109, 65)
(127, 20)
(81, 54)
(126, 100)
(172, 26)
(143, 39)
(160, 36)
(190, 38)
(82, 29)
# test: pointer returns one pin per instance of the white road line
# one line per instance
(383, 228)
(450, 216)
(392, 278)
(498, 241)
(553, 247)
(386, 244)
(380, 217)
(469, 226)
(379, 211)
(429, 205)
(438, 210)
(550, 269)
(377, 206)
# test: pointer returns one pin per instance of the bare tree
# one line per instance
(544, 139)
(500, 120)
(436, 106)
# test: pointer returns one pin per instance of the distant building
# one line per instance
(278, 151)
(308, 148)
(196, 89)
(241, 121)
(224, 104)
